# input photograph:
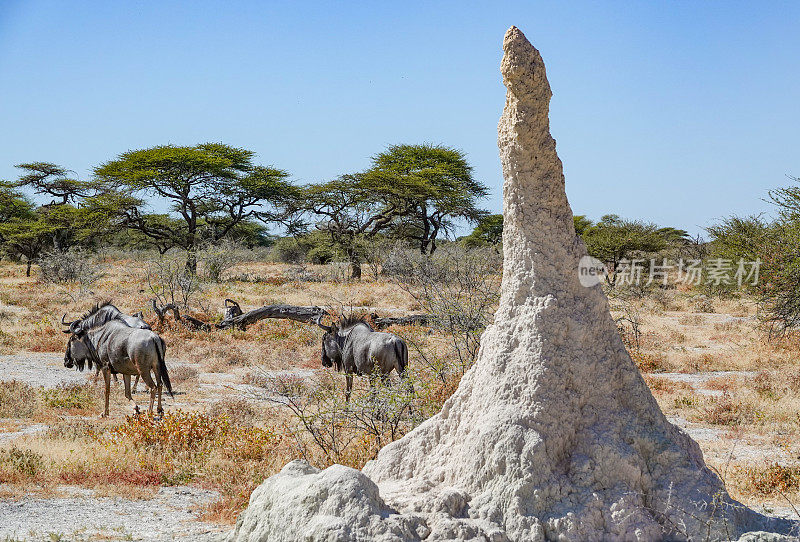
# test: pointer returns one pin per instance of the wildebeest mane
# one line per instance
(95, 316)
(347, 322)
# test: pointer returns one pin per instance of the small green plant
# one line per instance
(25, 462)
(69, 396)
(17, 400)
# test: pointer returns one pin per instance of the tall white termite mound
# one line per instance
(553, 434)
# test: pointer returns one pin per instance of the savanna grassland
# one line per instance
(247, 402)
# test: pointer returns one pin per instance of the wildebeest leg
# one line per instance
(148, 381)
(135, 384)
(349, 389)
(127, 380)
(160, 409)
(107, 379)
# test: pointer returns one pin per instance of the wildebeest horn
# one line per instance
(318, 321)
(65, 323)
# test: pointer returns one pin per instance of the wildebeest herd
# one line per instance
(116, 343)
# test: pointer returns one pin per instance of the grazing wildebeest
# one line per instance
(104, 312)
(114, 347)
(356, 349)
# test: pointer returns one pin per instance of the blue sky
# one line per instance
(674, 112)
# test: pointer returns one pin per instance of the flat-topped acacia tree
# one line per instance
(211, 188)
(435, 184)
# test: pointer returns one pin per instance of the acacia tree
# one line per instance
(435, 185)
(12, 203)
(614, 239)
(350, 209)
(53, 180)
(27, 237)
(211, 189)
(16, 217)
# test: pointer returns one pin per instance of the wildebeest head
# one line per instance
(331, 345)
(80, 349)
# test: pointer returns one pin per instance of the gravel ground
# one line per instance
(79, 515)
(37, 369)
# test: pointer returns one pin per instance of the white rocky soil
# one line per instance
(77, 514)
(552, 435)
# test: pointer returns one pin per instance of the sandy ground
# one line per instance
(77, 514)
(46, 370)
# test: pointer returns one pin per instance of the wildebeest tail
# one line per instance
(401, 351)
(162, 367)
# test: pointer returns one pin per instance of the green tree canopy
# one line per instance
(614, 239)
(348, 210)
(53, 180)
(434, 187)
(211, 188)
(12, 203)
(581, 223)
(489, 231)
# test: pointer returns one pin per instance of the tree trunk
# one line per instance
(355, 266)
(191, 262)
(355, 263)
(28, 268)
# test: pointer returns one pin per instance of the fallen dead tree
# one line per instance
(413, 320)
(236, 318)
(307, 315)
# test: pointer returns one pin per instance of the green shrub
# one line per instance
(67, 396)
(26, 462)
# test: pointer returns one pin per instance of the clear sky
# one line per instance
(674, 112)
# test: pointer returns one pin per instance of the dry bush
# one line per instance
(664, 385)
(217, 259)
(765, 385)
(17, 464)
(74, 266)
(698, 364)
(772, 479)
(17, 400)
(723, 383)
(648, 362)
(703, 303)
(691, 320)
(725, 410)
(729, 326)
(686, 401)
(460, 288)
(327, 429)
(677, 337)
(184, 374)
(169, 282)
(237, 409)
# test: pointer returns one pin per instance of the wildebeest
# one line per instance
(356, 349)
(103, 312)
(115, 347)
